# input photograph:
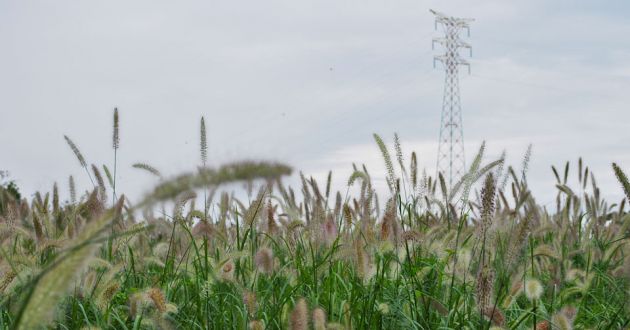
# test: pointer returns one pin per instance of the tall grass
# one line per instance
(480, 255)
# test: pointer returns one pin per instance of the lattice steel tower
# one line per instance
(451, 162)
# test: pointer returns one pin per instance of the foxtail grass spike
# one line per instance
(299, 316)
(623, 179)
(148, 168)
(76, 151)
(73, 190)
(203, 142)
(116, 133)
(388, 161)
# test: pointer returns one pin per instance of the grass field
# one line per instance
(483, 254)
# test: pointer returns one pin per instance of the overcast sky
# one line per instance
(306, 83)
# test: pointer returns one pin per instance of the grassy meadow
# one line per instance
(191, 255)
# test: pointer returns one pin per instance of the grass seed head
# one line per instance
(116, 135)
(561, 322)
(319, 319)
(249, 299)
(570, 312)
(487, 201)
(533, 289)
(256, 325)
(203, 229)
(157, 297)
(494, 315)
(347, 215)
(335, 326)
(299, 316)
(623, 180)
(264, 260)
(272, 226)
(76, 151)
(227, 271)
(383, 308)
(329, 230)
(203, 142)
(543, 325)
(484, 286)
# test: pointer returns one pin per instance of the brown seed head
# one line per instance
(249, 299)
(227, 271)
(484, 285)
(319, 319)
(329, 230)
(543, 325)
(157, 297)
(256, 325)
(495, 315)
(299, 316)
(264, 260)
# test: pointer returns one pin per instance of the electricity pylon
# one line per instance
(451, 162)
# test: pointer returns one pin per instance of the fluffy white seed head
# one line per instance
(533, 289)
